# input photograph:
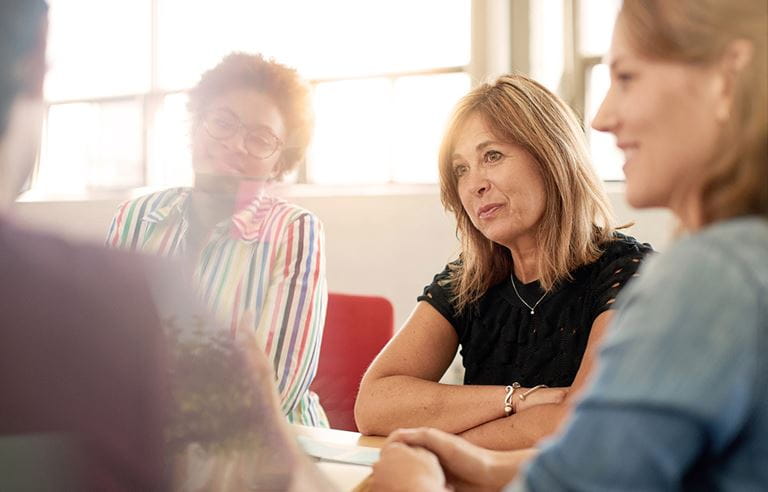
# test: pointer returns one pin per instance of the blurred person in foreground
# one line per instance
(82, 375)
(679, 400)
(258, 261)
(110, 377)
(225, 429)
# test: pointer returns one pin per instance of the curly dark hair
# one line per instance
(282, 84)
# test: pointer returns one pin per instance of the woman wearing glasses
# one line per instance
(258, 261)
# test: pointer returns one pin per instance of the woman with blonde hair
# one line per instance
(540, 266)
(680, 397)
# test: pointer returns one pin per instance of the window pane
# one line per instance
(101, 50)
(328, 39)
(596, 25)
(98, 48)
(353, 140)
(193, 42)
(385, 36)
(547, 42)
(422, 105)
(170, 162)
(607, 158)
(92, 146)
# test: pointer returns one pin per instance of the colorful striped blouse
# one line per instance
(264, 270)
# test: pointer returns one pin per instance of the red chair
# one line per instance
(356, 329)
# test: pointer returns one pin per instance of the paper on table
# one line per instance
(343, 453)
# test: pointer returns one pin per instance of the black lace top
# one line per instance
(502, 342)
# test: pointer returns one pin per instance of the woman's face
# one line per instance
(499, 184)
(665, 116)
(239, 134)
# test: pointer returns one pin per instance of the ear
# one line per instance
(736, 57)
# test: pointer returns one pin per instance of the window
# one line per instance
(385, 75)
(595, 26)
(569, 62)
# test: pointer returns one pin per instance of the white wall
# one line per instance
(382, 243)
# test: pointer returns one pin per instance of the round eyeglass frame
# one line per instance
(238, 126)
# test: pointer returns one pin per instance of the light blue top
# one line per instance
(680, 398)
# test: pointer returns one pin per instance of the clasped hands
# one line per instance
(426, 459)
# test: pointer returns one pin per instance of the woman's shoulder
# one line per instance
(742, 236)
(284, 205)
(736, 245)
(718, 273)
(152, 207)
(152, 202)
(620, 259)
(293, 212)
(620, 253)
(723, 261)
(621, 245)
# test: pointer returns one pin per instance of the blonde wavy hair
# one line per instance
(577, 217)
(699, 32)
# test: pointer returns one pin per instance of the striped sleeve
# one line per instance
(294, 308)
(126, 229)
(117, 227)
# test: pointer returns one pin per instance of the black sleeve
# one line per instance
(617, 267)
(438, 294)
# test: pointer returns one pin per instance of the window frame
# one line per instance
(152, 100)
(500, 42)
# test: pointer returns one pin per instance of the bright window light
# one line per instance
(597, 18)
(378, 131)
(606, 157)
(423, 104)
(353, 122)
(98, 48)
(170, 156)
(385, 74)
(547, 42)
(323, 39)
(91, 146)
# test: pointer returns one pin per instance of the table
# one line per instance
(344, 476)
(336, 436)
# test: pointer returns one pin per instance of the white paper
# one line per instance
(342, 453)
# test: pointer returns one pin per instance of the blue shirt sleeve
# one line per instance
(675, 379)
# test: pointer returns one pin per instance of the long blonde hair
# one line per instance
(699, 32)
(577, 216)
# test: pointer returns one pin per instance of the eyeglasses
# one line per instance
(259, 143)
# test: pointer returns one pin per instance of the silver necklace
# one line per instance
(532, 308)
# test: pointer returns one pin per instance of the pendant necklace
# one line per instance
(532, 308)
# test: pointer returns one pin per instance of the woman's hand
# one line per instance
(541, 396)
(403, 468)
(467, 467)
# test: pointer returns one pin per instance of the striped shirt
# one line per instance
(264, 269)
